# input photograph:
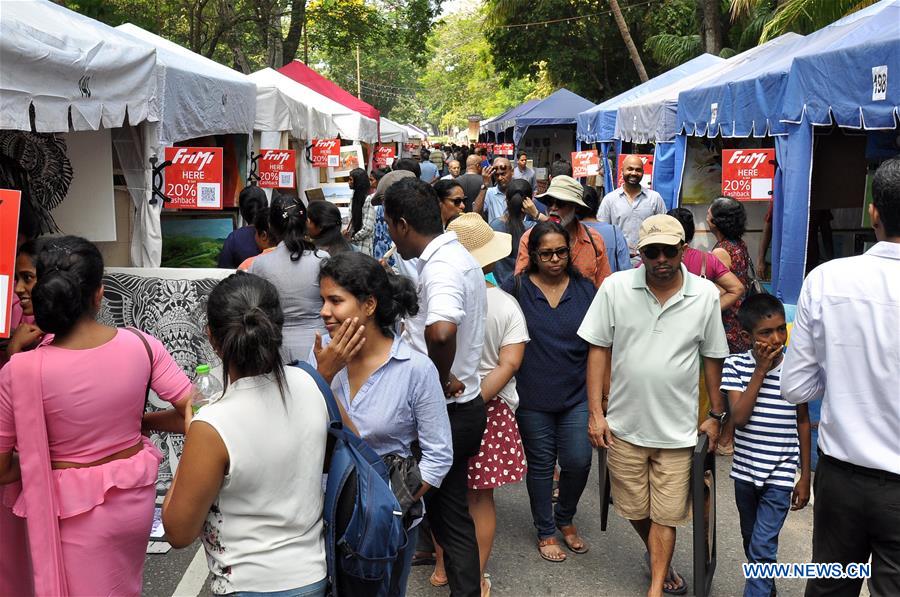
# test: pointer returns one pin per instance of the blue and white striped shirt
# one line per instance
(766, 449)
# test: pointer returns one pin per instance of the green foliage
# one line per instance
(189, 251)
(672, 50)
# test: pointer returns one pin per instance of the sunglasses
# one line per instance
(553, 202)
(458, 202)
(653, 251)
(561, 253)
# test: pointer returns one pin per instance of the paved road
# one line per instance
(613, 567)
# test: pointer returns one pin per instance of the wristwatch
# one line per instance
(720, 417)
(484, 187)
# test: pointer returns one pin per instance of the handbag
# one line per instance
(754, 284)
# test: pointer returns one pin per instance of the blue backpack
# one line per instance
(364, 530)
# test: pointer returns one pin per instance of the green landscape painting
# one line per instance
(194, 242)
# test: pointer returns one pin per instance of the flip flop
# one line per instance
(550, 541)
(670, 577)
(486, 591)
(570, 535)
(438, 582)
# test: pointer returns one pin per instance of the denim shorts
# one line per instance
(314, 590)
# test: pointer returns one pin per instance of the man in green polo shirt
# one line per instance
(650, 326)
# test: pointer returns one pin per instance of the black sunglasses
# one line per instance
(458, 202)
(561, 253)
(653, 251)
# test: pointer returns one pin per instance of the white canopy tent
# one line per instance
(324, 118)
(393, 132)
(415, 132)
(64, 65)
(198, 97)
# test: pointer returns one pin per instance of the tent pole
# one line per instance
(358, 82)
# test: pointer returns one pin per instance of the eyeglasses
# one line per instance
(553, 202)
(561, 253)
(653, 251)
(458, 202)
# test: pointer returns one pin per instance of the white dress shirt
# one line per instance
(451, 288)
(845, 346)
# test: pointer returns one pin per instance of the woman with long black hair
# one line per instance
(324, 227)
(293, 267)
(513, 222)
(361, 230)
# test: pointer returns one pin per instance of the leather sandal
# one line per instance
(570, 536)
(542, 543)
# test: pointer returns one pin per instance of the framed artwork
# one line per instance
(351, 156)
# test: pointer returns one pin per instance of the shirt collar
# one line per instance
(435, 244)
(622, 193)
(689, 286)
(400, 349)
(885, 249)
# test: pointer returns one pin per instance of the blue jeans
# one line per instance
(316, 589)
(402, 566)
(762, 511)
(549, 437)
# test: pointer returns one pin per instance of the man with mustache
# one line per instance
(588, 250)
(651, 327)
(631, 204)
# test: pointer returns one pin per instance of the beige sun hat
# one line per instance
(565, 188)
(484, 243)
(660, 229)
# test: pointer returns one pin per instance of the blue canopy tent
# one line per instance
(560, 108)
(598, 125)
(652, 119)
(747, 102)
(500, 124)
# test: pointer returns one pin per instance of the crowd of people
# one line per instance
(478, 333)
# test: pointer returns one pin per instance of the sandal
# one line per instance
(680, 583)
(486, 585)
(437, 581)
(542, 543)
(570, 536)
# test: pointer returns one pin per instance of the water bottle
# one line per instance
(208, 386)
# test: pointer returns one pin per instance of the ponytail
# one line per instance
(287, 218)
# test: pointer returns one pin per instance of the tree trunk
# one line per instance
(629, 43)
(711, 27)
(295, 30)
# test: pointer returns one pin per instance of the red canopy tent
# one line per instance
(304, 75)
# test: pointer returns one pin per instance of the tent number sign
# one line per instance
(193, 178)
(879, 83)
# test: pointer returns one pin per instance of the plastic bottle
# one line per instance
(208, 386)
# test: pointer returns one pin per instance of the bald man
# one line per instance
(631, 204)
(471, 181)
(453, 170)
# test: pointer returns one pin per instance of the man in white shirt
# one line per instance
(631, 204)
(449, 328)
(845, 348)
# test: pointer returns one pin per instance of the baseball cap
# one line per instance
(484, 243)
(660, 229)
(565, 188)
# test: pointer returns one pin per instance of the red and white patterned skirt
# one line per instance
(501, 459)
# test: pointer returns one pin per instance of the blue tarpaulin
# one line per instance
(507, 120)
(824, 78)
(599, 123)
(559, 109)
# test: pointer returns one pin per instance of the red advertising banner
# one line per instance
(9, 233)
(504, 149)
(647, 158)
(194, 178)
(585, 163)
(276, 168)
(748, 174)
(326, 153)
(384, 156)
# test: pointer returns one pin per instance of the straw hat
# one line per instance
(565, 188)
(484, 243)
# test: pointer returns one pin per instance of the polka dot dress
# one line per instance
(501, 459)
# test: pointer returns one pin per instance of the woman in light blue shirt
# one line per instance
(390, 392)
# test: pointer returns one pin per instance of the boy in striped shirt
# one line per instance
(771, 437)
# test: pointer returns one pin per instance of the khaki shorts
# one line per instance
(650, 483)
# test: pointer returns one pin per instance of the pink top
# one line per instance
(16, 318)
(693, 261)
(94, 398)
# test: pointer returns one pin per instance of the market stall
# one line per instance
(548, 127)
(598, 125)
(500, 128)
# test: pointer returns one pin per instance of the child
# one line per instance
(771, 438)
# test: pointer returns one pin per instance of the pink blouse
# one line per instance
(94, 398)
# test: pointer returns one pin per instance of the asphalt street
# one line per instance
(613, 567)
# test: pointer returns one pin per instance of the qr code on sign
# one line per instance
(208, 195)
(285, 179)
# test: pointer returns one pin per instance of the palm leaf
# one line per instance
(671, 50)
(805, 16)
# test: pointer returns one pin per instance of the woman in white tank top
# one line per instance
(249, 480)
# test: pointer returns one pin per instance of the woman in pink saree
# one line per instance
(80, 473)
